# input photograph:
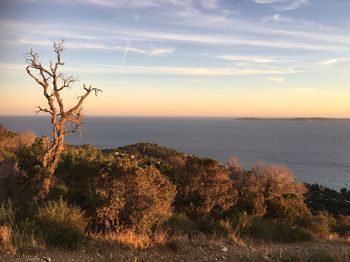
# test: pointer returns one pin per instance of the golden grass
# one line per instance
(6, 239)
(131, 238)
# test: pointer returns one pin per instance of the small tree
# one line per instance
(64, 121)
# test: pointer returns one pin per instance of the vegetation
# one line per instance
(64, 121)
(144, 195)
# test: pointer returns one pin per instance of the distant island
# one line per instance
(295, 118)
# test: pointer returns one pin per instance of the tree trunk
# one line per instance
(50, 162)
(44, 187)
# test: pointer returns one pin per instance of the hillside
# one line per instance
(152, 203)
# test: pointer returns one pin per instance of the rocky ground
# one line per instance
(195, 250)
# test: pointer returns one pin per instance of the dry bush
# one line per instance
(204, 188)
(275, 180)
(10, 143)
(342, 226)
(234, 164)
(267, 182)
(288, 208)
(176, 161)
(139, 199)
(320, 225)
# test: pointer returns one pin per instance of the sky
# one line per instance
(218, 58)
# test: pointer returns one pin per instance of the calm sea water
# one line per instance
(316, 151)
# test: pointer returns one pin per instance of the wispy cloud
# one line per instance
(284, 5)
(334, 61)
(84, 45)
(193, 71)
(254, 59)
(163, 70)
(275, 79)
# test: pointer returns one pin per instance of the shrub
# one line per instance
(267, 182)
(180, 224)
(63, 225)
(138, 200)
(271, 230)
(16, 233)
(342, 226)
(149, 198)
(320, 224)
(204, 188)
(288, 208)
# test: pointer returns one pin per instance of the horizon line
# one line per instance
(195, 116)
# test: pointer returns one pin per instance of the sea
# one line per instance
(317, 151)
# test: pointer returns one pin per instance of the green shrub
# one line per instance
(58, 191)
(271, 230)
(180, 224)
(62, 225)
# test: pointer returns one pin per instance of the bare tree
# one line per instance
(64, 121)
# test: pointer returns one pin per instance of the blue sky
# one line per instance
(184, 58)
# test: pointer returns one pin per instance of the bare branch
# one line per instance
(63, 122)
(40, 109)
(67, 81)
(88, 90)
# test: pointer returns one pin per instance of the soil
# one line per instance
(192, 250)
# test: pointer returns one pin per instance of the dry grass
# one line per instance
(130, 238)
(6, 239)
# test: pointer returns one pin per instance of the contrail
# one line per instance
(126, 51)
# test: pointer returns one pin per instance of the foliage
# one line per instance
(204, 188)
(322, 198)
(62, 224)
(267, 187)
(288, 208)
(272, 230)
(30, 157)
(342, 226)
(16, 233)
(320, 224)
(11, 142)
(116, 190)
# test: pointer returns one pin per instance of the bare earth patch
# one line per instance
(194, 250)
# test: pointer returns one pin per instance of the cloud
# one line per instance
(83, 45)
(275, 79)
(209, 4)
(90, 37)
(265, 1)
(190, 71)
(283, 5)
(162, 70)
(277, 18)
(334, 61)
(255, 59)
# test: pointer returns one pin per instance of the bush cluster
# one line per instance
(138, 189)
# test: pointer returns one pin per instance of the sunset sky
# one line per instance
(258, 58)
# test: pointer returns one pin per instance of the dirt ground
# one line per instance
(194, 250)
